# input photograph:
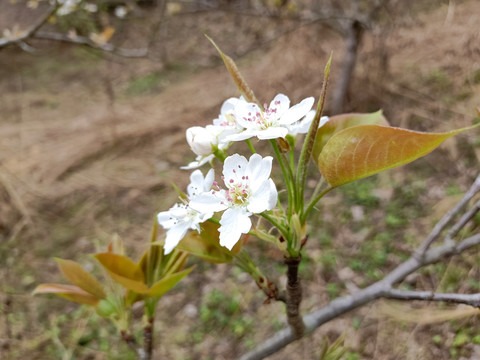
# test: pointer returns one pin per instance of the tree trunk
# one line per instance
(353, 39)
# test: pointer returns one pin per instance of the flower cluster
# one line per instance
(240, 120)
(249, 190)
(248, 186)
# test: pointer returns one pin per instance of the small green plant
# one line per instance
(220, 312)
(334, 351)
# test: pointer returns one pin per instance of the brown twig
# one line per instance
(467, 299)
(24, 35)
(448, 217)
(148, 340)
(81, 40)
(294, 297)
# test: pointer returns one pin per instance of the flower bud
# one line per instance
(283, 145)
(200, 140)
(105, 308)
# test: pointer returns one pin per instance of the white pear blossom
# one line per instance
(67, 6)
(226, 118)
(249, 190)
(121, 12)
(181, 217)
(92, 8)
(205, 140)
(272, 122)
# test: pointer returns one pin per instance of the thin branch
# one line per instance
(448, 217)
(81, 40)
(467, 299)
(34, 33)
(133, 345)
(148, 340)
(33, 29)
(460, 224)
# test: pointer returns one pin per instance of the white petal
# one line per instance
(272, 133)
(207, 202)
(258, 201)
(233, 168)
(228, 105)
(201, 140)
(244, 135)
(198, 162)
(174, 235)
(272, 201)
(246, 114)
(209, 178)
(196, 183)
(234, 223)
(281, 103)
(165, 219)
(301, 126)
(323, 121)
(296, 112)
(214, 131)
(258, 170)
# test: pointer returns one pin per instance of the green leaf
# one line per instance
(357, 152)
(69, 292)
(238, 79)
(168, 282)
(79, 277)
(206, 244)
(123, 271)
(344, 121)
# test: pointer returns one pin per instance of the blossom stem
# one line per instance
(317, 187)
(275, 223)
(286, 176)
(220, 155)
(313, 202)
(250, 146)
(291, 154)
(215, 221)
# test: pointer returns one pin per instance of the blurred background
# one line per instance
(94, 104)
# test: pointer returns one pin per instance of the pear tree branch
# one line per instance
(26, 34)
(20, 37)
(423, 256)
(82, 40)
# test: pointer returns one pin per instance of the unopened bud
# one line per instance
(283, 145)
(105, 308)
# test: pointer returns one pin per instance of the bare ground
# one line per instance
(79, 164)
